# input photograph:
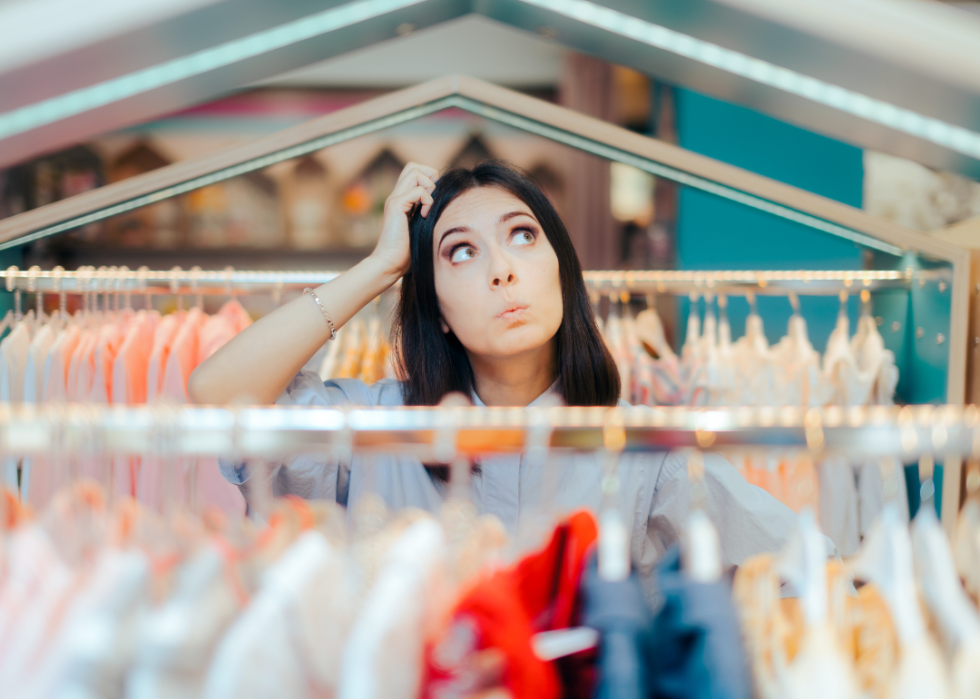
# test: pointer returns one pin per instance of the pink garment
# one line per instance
(57, 365)
(215, 332)
(81, 366)
(237, 314)
(220, 328)
(201, 475)
(106, 347)
(182, 359)
(132, 363)
(129, 383)
(163, 338)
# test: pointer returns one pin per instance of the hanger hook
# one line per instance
(32, 287)
(123, 285)
(229, 276)
(12, 273)
(175, 286)
(195, 286)
(141, 282)
(57, 273)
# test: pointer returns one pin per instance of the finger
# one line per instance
(412, 178)
(414, 196)
(430, 172)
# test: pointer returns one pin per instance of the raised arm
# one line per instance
(258, 364)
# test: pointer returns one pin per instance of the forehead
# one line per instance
(478, 207)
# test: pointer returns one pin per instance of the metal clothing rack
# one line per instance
(230, 281)
(437, 433)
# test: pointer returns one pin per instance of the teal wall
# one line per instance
(714, 233)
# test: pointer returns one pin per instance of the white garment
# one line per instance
(839, 517)
(93, 648)
(13, 364)
(384, 652)
(289, 640)
(175, 641)
(37, 357)
(871, 493)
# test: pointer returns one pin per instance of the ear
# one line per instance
(445, 328)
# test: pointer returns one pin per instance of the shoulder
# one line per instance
(384, 393)
(308, 389)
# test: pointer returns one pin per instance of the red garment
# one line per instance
(503, 611)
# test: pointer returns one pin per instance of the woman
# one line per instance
(493, 305)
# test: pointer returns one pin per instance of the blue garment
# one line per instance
(696, 648)
(618, 611)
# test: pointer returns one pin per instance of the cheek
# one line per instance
(459, 304)
(550, 291)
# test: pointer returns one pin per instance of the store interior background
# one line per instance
(323, 211)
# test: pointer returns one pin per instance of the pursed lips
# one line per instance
(513, 312)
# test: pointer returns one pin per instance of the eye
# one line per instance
(461, 253)
(522, 236)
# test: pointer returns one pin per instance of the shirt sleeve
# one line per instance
(748, 519)
(314, 476)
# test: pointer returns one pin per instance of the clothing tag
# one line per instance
(551, 645)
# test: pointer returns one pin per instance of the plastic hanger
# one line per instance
(966, 543)
(724, 327)
(650, 331)
(940, 583)
(691, 348)
(701, 546)
(755, 334)
(613, 544)
(885, 559)
(175, 288)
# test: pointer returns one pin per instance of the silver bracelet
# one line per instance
(333, 330)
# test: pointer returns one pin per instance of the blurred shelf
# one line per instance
(73, 254)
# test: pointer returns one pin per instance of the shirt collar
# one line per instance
(552, 391)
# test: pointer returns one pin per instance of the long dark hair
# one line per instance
(432, 363)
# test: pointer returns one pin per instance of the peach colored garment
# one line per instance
(163, 338)
(201, 475)
(81, 367)
(220, 328)
(106, 347)
(792, 481)
(132, 363)
(57, 364)
(182, 359)
(129, 384)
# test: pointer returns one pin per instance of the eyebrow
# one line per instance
(467, 229)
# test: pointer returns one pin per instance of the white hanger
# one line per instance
(650, 330)
(701, 546)
(614, 539)
(885, 559)
(936, 572)
(803, 563)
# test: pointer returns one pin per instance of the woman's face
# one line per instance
(496, 275)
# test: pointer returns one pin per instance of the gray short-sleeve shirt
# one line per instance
(654, 491)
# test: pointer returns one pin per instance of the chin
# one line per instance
(521, 340)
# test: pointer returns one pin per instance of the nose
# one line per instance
(501, 269)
